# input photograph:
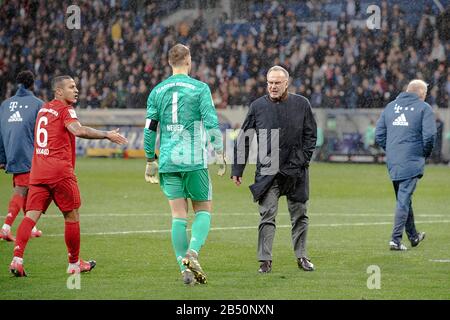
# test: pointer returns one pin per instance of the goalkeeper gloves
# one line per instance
(151, 172)
(220, 160)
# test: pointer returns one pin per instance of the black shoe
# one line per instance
(420, 236)
(305, 264)
(265, 266)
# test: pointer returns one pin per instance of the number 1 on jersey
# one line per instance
(175, 107)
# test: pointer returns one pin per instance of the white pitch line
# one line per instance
(218, 214)
(357, 224)
(440, 260)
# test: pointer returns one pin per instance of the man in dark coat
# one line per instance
(286, 134)
(406, 130)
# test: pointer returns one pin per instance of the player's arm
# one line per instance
(210, 121)
(429, 132)
(151, 168)
(211, 124)
(85, 132)
(380, 132)
(242, 146)
(309, 134)
(150, 132)
(151, 127)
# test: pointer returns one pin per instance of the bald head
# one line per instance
(418, 87)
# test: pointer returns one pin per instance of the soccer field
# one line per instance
(125, 226)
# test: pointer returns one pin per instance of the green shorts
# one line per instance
(195, 185)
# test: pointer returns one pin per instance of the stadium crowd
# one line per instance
(120, 53)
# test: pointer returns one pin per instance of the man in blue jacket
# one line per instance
(406, 130)
(17, 121)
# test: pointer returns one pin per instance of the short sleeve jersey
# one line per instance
(54, 145)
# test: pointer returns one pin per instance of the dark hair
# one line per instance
(25, 78)
(57, 80)
(177, 55)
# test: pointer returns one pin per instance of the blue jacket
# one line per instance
(406, 130)
(17, 119)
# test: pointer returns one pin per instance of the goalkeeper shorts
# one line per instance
(195, 185)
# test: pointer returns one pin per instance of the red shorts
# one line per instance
(64, 193)
(21, 179)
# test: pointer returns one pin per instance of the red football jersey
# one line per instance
(54, 145)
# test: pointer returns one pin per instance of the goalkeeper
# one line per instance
(184, 110)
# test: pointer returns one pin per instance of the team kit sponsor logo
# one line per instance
(15, 117)
(400, 121)
(46, 110)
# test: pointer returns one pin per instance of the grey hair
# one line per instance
(279, 68)
(417, 86)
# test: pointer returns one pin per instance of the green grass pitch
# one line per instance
(125, 226)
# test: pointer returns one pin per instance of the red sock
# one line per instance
(24, 203)
(72, 237)
(23, 235)
(16, 203)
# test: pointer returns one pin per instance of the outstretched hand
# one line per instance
(116, 137)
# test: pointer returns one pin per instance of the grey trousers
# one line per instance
(404, 215)
(268, 209)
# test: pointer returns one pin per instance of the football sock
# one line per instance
(72, 238)
(200, 229)
(179, 239)
(23, 235)
(74, 266)
(16, 203)
(18, 260)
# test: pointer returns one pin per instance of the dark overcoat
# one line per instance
(286, 134)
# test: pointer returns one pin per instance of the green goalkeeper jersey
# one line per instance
(187, 119)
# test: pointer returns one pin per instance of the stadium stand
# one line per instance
(117, 53)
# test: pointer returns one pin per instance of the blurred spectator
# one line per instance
(142, 95)
(316, 97)
(121, 94)
(132, 99)
(92, 99)
(107, 99)
(369, 136)
(437, 150)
